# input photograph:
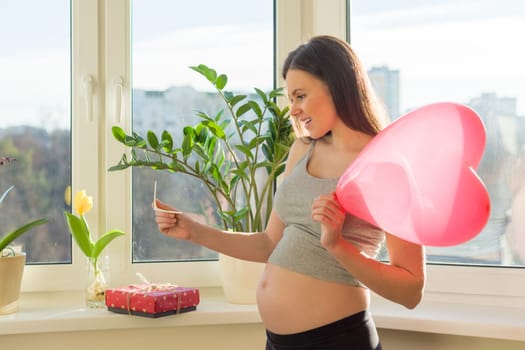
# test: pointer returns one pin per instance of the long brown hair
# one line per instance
(334, 62)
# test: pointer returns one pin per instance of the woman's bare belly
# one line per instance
(290, 302)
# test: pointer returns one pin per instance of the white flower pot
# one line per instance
(11, 272)
(240, 279)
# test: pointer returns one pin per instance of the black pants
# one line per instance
(356, 332)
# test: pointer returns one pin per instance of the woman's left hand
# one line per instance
(328, 212)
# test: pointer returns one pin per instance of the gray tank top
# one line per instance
(300, 249)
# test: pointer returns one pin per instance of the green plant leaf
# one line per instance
(80, 233)
(215, 173)
(219, 114)
(118, 133)
(122, 164)
(234, 99)
(249, 125)
(201, 69)
(256, 108)
(242, 109)
(256, 141)
(211, 75)
(104, 240)
(199, 150)
(119, 167)
(262, 95)
(276, 93)
(221, 81)
(188, 141)
(10, 237)
(215, 129)
(241, 214)
(203, 115)
(175, 166)
(153, 140)
(139, 141)
(245, 150)
(130, 141)
(167, 141)
(227, 215)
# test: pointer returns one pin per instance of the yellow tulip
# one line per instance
(83, 203)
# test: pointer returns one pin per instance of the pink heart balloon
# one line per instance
(416, 179)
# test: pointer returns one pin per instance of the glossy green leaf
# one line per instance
(10, 237)
(187, 142)
(80, 234)
(256, 108)
(201, 69)
(152, 139)
(262, 95)
(276, 93)
(221, 81)
(211, 75)
(215, 129)
(245, 150)
(167, 141)
(243, 109)
(118, 133)
(104, 240)
(203, 115)
(236, 99)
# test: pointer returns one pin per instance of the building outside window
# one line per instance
(235, 37)
(461, 51)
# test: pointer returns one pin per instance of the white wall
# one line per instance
(405, 340)
(231, 337)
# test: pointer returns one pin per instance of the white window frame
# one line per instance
(103, 53)
(84, 72)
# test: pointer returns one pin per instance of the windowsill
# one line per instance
(64, 311)
(437, 314)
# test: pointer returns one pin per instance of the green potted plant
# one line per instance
(92, 248)
(11, 262)
(237, 153)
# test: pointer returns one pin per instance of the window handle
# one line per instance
(87, 90)
(118, 84)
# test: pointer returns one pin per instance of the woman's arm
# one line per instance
(255, 246)
(248, 246)
(401, 280)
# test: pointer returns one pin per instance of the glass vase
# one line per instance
(97, 282)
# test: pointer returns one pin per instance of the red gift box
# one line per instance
(152, 300)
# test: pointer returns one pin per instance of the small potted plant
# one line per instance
(92, 248)
(237, 155)
(11, 262)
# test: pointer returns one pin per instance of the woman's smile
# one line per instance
(306, 122)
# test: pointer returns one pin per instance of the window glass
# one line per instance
(235, 37)
(35, 124)
(463, 51)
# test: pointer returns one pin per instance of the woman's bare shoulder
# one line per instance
(297, 151)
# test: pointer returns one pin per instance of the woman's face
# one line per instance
(311, 103)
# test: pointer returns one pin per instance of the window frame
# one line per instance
(486, 285)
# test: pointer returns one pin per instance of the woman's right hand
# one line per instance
(177, 225)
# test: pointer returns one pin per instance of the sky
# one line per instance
(452, 50)
(233, 36)
(447, 49)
